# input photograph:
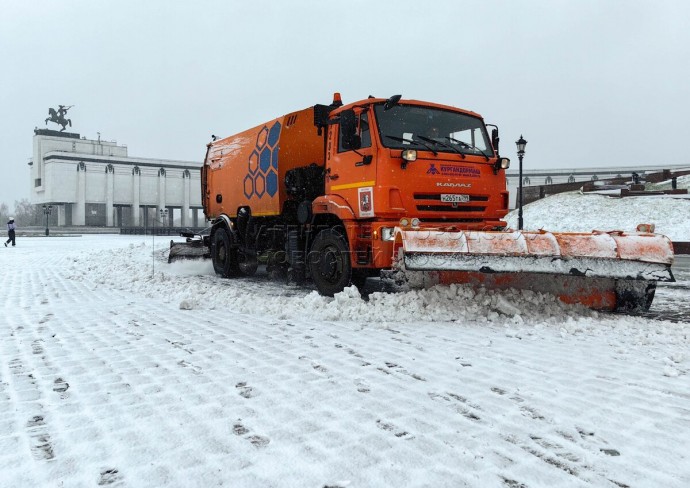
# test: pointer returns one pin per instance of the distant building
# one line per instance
(95, 183)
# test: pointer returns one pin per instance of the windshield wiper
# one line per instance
(468, 146)
(434, 141)
(410, 141)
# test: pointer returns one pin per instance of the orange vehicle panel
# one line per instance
(249, 168)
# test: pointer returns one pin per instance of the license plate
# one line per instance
(454, 198)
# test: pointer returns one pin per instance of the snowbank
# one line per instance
(578, 212)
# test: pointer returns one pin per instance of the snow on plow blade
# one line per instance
(192, 249)
(601, 270)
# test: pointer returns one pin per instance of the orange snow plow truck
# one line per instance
(338, 193)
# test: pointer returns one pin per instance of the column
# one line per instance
(186, 181)
(109, 193)
(79, 209)
(61, 215)
(136, 175)
(161, 192)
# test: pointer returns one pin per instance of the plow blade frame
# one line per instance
(600, 270)
(192, 249)
(635, 256)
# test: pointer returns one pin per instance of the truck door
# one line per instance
(352, 169)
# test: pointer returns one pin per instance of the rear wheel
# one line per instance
(634, 295)
(329, 262)
(247, 263)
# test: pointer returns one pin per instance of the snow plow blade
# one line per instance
(600, 270)
(195, 247)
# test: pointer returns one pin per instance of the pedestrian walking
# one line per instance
(11, 227)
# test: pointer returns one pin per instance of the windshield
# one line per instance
(415, 127)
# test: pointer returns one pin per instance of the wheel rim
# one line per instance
(222, 253)
(331, 266)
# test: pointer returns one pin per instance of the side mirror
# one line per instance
(495, 139)
(348, 130)
(392, 102)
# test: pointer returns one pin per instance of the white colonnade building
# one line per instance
(95, 183)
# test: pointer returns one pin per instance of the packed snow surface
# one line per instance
(119, 369)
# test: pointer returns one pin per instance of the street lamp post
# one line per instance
(46, 210)
(521, 143)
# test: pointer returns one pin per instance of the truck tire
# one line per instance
(247, 264)
(223, 255)
(329, 262)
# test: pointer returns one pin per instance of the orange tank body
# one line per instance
(248, 169)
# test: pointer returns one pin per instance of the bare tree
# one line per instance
(26, 214)
(4, 213)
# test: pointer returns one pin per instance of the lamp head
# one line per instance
(521, 143)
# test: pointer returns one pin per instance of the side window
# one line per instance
(362, 131)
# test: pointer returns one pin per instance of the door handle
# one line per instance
(366, 160)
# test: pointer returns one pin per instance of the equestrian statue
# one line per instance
(59, 116)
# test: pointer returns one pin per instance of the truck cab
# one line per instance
(406, 161)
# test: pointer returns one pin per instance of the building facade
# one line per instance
(95, 183)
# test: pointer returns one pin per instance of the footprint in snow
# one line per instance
(41, 447)
(109, 477)
(46, 318)
(244, 390)
(395, 430)
(255, 440)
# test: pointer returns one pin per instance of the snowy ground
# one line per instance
(119, 369)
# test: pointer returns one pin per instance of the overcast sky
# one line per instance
(587, 82)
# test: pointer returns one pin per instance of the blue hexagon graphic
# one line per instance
(265, 160)
(261, 138)
(274, 157)
(253, 162)
(248, 186)
(272, 183)
(274, 134)
(259, 185)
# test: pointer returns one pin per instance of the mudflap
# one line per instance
(191, 249)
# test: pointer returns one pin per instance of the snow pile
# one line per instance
(578, 212)
(193, 285)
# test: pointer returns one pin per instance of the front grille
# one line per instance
(449, 208)
(452, 220)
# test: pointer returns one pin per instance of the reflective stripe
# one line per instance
(353, 185)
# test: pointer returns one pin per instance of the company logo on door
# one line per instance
(453, 170)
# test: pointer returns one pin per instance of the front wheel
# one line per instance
(329, 262)
(224, 255)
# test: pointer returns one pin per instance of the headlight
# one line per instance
(387, 233)
(505, 163)
(415, 222)
(404, 222)
(409, 155)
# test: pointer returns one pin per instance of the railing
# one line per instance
(159, 230)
